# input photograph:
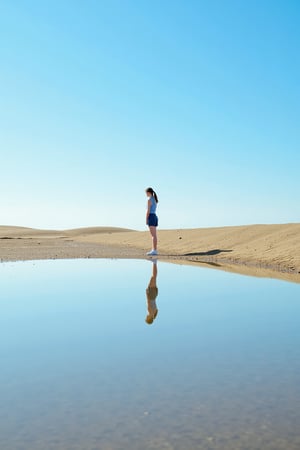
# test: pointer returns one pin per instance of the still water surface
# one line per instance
(218, 367)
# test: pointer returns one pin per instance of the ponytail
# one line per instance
(152, 192)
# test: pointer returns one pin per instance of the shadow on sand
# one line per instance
(216, 251)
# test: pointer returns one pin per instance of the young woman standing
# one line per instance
(152, 219)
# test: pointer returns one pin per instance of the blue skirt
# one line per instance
(152, 220)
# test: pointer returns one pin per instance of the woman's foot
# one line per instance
(152, 253)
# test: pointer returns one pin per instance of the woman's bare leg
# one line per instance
(154, 237)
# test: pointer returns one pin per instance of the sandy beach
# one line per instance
(259, 250)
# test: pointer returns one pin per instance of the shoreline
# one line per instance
(256, 250)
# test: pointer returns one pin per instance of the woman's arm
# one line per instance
(148, 211)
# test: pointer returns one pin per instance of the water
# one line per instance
(81, 369)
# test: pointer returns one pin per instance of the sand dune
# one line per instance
(22, 232)
(269, 247)
(90, 231)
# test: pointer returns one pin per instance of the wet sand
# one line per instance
(259, 250)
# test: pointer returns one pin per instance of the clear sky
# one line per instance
(102, 98)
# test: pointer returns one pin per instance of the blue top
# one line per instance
(153, 205)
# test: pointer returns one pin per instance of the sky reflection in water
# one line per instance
(106, 354)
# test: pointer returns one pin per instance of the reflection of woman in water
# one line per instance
(152, 293)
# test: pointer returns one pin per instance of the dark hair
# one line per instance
(152, 192)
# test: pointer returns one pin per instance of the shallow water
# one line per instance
(218, 368)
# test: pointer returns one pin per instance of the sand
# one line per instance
(260, 250)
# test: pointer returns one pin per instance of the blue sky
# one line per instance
(100, 99)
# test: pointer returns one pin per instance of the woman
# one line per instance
(152, 219)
